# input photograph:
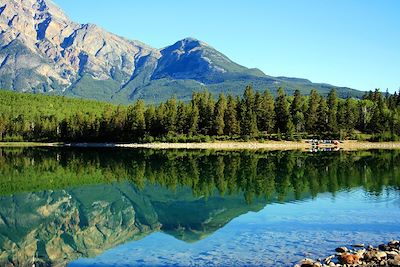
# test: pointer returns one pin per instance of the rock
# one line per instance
(395, 261)
(360, 253)
(391, 254)
(358, 245)
(342, 249)
(394, 244)
(347, 258)
(370, 255)
(329, 259)
(384, 247)
(307, 263)
(380, 255)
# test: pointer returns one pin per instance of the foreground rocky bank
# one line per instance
(359, 255)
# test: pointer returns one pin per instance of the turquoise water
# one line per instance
(278, 235)
(191, 208)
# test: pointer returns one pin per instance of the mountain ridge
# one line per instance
(43, 51)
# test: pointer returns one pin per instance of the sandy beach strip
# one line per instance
(268, 145)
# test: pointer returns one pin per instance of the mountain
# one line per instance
(43, 51)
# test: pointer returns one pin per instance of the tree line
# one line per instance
(269, 175)
(254, 115)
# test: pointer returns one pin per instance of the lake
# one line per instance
(125, 207)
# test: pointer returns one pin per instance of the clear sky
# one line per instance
(354, 43)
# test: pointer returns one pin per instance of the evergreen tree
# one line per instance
(219, 115)
(248, 114)
(182, 118)
(290, 130)
(171, 115)
(258, 109)
(297, 103)
(282, 114)
(268, 112)
(150, 119)
(333, 103)
(323, 116)
(296, 111)
(205, 104)
(193, 119)
(351, 114)
(230, 118)
(137, 119)
(312, 112)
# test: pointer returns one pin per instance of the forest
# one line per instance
(253, 116)
(272, 175)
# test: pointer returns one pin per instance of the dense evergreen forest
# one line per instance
(27, 117)
(277, 175)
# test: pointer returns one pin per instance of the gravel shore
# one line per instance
(359, 255)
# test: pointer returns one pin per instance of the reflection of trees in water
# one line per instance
(256, 174)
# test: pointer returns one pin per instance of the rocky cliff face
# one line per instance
(42, 51)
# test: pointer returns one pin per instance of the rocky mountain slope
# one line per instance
(43, 51)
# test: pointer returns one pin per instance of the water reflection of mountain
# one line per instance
(66, 204)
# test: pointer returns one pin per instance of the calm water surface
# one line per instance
(115, 207)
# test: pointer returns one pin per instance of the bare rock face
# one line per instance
(40, 45)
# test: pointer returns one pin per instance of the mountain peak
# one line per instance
(42, 50)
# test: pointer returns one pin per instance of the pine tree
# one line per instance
(150, 118)
(205, 104)
(296, 111)
(312, 112)
(230, 118)
(248, 115)
(290, 130)
(193, 119)
(282, 114)
(182, 118)
(268, 112)
(258, 109)
(137, 119)
(219, 115)
(333, 103)
(297, 103)
(351, 114)
(322, 114)
(171, 115)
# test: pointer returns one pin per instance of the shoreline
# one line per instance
(223, 145)
(359, 255)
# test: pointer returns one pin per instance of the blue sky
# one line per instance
(354, 43)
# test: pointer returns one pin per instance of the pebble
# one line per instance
(383, 255)
(341, 249)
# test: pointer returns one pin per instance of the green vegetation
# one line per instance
(282, 175)
(26, 117)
